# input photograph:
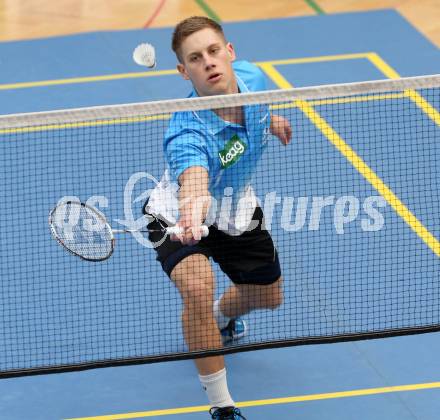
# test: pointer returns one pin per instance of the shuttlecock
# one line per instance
(144, 55)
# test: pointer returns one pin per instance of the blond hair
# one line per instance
(189, 26)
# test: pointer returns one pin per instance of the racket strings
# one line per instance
(82, 231)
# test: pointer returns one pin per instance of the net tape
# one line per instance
(221, 101)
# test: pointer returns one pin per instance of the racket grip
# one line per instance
(175, 230)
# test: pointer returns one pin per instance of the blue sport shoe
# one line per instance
(226, 413)
(236, 329)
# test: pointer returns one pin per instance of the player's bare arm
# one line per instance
(194, 201)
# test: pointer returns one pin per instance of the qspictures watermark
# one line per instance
(288, 213)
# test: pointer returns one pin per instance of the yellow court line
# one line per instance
(271, 401)
(317, 59)
(97, 123)
(424, 105)
(418, 99)
(86, 79)
(430, 240)
(382, 66)
(89, 79)
(338, 101)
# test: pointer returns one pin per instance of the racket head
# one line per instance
(82, 230)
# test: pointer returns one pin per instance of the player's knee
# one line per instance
(275, 301)
(195, 281)
(198, 295)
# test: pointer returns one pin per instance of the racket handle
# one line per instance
(175, 230)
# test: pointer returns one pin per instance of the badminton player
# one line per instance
(212, 155)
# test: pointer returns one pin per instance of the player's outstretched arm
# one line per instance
(281, 128)
(194, 201)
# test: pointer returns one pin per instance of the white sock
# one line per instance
(221, 319)
(216, 388)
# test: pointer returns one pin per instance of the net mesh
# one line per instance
(352, 207)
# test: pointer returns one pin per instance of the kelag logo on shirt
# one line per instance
(232, 152)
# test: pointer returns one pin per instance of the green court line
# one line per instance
(315, 7)
(204, 6)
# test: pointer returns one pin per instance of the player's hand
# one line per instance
(189, 235)
(281, 128)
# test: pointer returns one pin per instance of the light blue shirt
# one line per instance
(229, 152)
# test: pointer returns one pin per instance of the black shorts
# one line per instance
(250, 258)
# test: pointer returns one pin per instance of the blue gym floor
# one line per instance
(389, 379)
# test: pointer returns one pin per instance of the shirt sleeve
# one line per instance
(252, 76)
(184, 150)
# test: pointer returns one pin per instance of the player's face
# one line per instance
(207, 62)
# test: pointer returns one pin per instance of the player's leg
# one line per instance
(251, 261)
(241, 299)
(194, 278)
(189, 268)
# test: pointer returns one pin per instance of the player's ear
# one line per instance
(231, 51)
(182, 70)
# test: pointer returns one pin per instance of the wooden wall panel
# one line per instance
(423, 14)
(23, 19)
